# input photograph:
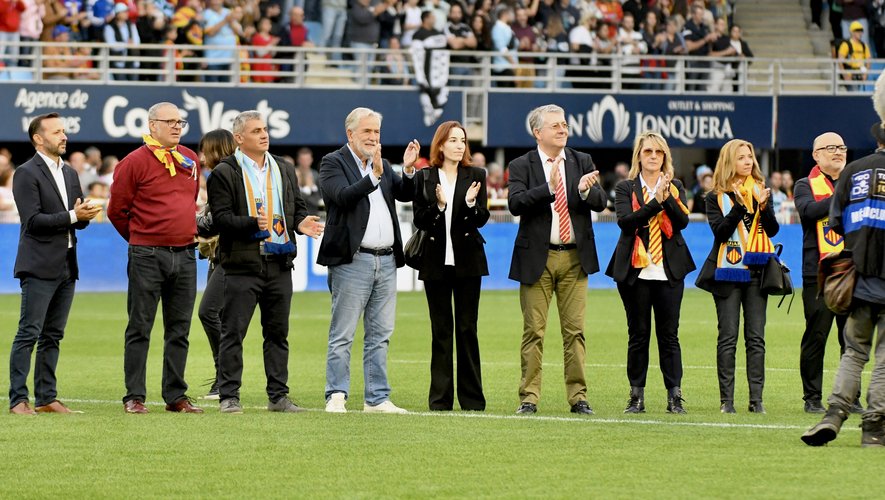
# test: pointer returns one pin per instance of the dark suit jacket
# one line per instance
(45, 221)
(677, 258)
(810, 212)
(346, 195)
(530, 199)
(723, 227)
(467, 243)
(238, 251)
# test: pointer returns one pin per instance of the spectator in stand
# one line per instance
(505, 43)
(100, 13)
(8, 210)
(151, 29)
(778, 197)
(10, 24)
(696, 190)
(542, 12)
(569, 14)
(263, 38)
(672, 44)
(54, 16)
(631, 44)
(653, 36)
(721, 50)
(620, 173)
(440, 9)
(479, 159)
(395, 64)
(85, 172)
(697, 40)
(459, 37)
(97, 194)
(58, 60)
(299, 33)
(603, 45)
(856, 56)
(855, 11)
(106, 171)
(364, 30)
(706, 185)
(334, 21)
(496, 187)
(482, 30)
(555, 42)
(528, 42)
(410, 21)
(308, 180)
(877, 18)
(30, 28)
(187, 21)
(742, 51)
(788, 183)
(93, 158)
(217, 30)
(389, 22)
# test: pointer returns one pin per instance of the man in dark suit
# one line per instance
(49, 200)
(362, 248)
(256, 248)
(552, 190)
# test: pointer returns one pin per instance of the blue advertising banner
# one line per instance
(293, 116)
(801, 119)
(612, 121)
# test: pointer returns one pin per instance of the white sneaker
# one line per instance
(385, 407)
(336, 402)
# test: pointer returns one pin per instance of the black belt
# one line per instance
(562, 248)
(178, 249)
(377, 252)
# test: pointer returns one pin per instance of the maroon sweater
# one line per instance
(150, 207)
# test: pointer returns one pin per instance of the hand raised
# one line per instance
(262, 219)
(411, 155)
(85, 211)
(736, 189)
(587, 180)
(377, 162)
(555, 176)
(764, 197)
(473, 191)
(311, 226)
(440, 196)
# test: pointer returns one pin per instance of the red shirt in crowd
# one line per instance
(150, 207)
(10, 15)
(297, 34)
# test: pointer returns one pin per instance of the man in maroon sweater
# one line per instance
(153, 207)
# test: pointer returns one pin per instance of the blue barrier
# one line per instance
(102, 256)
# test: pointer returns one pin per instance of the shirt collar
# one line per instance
(251, 163)
(51, 164)
(359, 162)
(544, 157)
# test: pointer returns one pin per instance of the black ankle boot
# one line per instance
(636, 404)
(873, 435)
(827, 429)
(674, 401)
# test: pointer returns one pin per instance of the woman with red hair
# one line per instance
(451, 205)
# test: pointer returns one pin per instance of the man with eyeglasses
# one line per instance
(812, 197)
(553, 189)
(153, 207)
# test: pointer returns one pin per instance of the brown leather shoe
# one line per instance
(55, 407)
(22, 408)
(134, 406)
(183, 406)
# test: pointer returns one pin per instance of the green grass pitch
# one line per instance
(105, 453)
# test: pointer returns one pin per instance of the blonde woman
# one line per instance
(742, 221)
(649, 265)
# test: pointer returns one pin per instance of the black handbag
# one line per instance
(414, 249)
(776, 278)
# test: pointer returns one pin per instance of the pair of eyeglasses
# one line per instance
(173, 123)
(649, 151)
(559, 126)
(832, 148)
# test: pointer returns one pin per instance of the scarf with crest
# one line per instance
(166, 155)
(744, 247)
(640, 257)
(276, 240)
(828, 241)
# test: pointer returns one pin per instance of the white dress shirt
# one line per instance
(59, 177)
(379, 230)
(554, 227)
(449, 190)
(652, 272)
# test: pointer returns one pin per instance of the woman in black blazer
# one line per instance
(742, 221)
(451, 205)
(649, 265)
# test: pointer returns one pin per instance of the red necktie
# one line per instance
(561, 204)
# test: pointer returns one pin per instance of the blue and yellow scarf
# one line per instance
(743, 248)
(276, 241)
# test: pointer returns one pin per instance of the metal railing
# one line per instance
(474, 72)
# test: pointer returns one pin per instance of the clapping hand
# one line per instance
(311, 226)
(587, 181)
(736, 189)
(262, 219)
(84, 211)
(763, 198)
(440, 197)
(472, 191)
(411, 156)
(377, 162)
(555, 178)
(662, 189)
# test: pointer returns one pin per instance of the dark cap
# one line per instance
(878, 132)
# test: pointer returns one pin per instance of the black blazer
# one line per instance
(346, 194)
(810, 212)
(467, 243)
(530, 199)
(45, 221)
(677, 258)
(238, 251)
(723, 227)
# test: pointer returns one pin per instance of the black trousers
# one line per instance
(44, 313)
(210, 310)
(271, 290)
(750, 298)
(818, 323)
(159, 273)
(639, 299)
(440, 295)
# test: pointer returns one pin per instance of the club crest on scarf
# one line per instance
(276, 242)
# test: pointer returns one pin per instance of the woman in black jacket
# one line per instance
(649, 265)
(742, 221)
(450, 205)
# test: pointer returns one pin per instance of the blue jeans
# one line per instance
(44, 313)
(334, 21)
(217, 78)
(367, 287)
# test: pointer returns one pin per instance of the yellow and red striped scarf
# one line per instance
(640, 257)
(165, 155)
(828, 241)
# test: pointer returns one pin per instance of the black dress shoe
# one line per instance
(527, 409)
(727, 407)
(756, 407)
(814, 406)
(581, 407)
(856, 407)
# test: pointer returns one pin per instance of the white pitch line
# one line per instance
(535, 418)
